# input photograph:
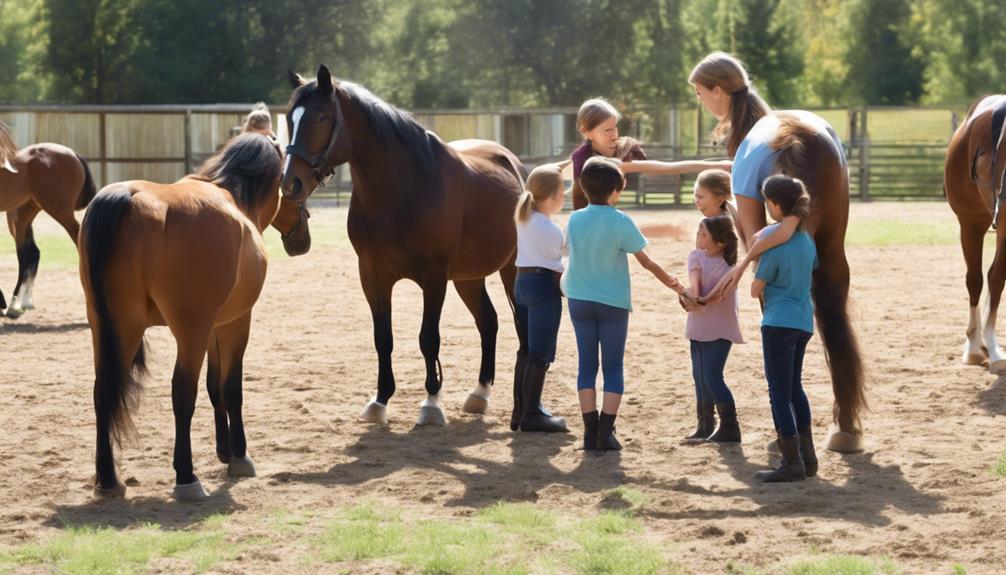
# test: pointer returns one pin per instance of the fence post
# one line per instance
(102, 142)
(698, 130)
(189, 167)
(864, 157)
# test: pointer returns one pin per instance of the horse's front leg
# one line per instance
(997, 275)
(434, 288)
(377, 289)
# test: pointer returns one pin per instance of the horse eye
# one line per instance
(322, 119)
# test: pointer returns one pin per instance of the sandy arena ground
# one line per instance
(922, 493)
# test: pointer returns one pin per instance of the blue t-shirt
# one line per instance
(787, 271)
(600, 239)
(755, 158)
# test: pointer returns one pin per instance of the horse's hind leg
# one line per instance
(230, 342)
(476, 299)
(972, 239)
(434, 289)
(191, 333)
(28, 255)
(509, 276)
(997, 275)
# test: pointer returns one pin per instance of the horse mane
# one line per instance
(386, 121)
(248, 167)
(8, 149)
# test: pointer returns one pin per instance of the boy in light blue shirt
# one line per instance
(600, 238)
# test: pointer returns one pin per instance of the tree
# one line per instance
(769, 42)
(882, 66)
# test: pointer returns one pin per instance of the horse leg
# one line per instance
(476, 299)
(434, 289)
(214, 388)
(377, 289)
(972, 237)
(997, 275)
(232, 340)
(19, 221)
(192, 337)
(831, 294)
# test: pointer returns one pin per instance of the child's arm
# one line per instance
(671, 168)
(757, 288)
(783, 232)
(655, 269)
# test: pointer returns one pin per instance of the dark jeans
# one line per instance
(708, 360)
(539, 311)
(784, 348)
(599, 324)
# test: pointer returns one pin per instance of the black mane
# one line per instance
(248, 167)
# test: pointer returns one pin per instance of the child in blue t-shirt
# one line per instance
(599, 238)
(784, 279)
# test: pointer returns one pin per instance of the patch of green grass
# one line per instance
(959, 569)
(58, 250)
(86, 550)
(1000, 466)
(841, 565)
(885, 232)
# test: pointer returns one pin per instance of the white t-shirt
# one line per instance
(539, 243)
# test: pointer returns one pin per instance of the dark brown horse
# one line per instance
(421, 210)
(188, 255)
(973, 182)
(46, 177)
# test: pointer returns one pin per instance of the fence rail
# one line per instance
(893, 153)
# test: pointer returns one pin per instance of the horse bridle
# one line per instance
(302, 216)
(320, 170)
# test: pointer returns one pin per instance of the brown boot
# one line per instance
(590, 421)
(535, 418)
(706, 423)
(606, 433)
(791, 468)
(518, 395)
(729, 431)
(807, 451)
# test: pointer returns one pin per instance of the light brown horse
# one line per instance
(46, 177)
(973, 182)
(421, 210)
(188, 255)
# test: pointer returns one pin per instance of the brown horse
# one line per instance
(46, 177)
(421, 210)
(973, 182)
(806, 147)
(188, 255)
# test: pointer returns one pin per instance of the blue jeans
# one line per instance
(784, 349)
(539, 311)
(708, 360)
(599, 324)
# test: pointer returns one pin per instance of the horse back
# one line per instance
(976, 157)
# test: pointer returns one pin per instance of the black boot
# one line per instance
(706, 423)
(590, 431)
(791, 468)
(518, 379)
(606, 433)
(729, 431)
(807, 451)
(535, 418)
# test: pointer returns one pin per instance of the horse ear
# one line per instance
(324, 79)
(296, 81)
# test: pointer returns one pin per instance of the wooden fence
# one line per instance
(894, 153)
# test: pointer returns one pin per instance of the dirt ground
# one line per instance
(922, 493)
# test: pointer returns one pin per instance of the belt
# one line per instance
(536, 270)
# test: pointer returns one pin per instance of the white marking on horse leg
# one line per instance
(14, 310)
(27, 291)
(375, 412)
(997, 359)
(974, 350)
(430, 412)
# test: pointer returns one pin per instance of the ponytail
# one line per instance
(543, 183)
(789, 194)
(524, 207)
(721, 229)
(722, 70)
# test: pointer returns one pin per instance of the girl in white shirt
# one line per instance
(539, 300)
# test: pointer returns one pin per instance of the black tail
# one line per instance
(808, 154)
(87, 193)
(115, 392)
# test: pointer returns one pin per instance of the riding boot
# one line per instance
(518, 379)
(790, 468)
(706, 423)
(535, 419)
(729, 431)
(606, 433)
(590, 421)
(807, 451)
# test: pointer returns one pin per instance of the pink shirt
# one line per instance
(716, 320)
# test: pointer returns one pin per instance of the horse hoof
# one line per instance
(243, 467)
(224, 456)
(190, 491)
(375, 413)
(431, 415)
(109, 492)
(845, 442)
(14, 312)
(974, 359)
(998, 367)
(478, 400)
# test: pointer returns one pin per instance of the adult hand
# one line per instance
(727, 283)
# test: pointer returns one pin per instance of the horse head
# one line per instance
(319, 138)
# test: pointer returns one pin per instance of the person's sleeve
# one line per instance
(768, 266)
(693, 261)
(744, 179)
(632, 240)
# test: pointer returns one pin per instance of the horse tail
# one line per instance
(88, 191)
(809, 154)
(115, 392)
